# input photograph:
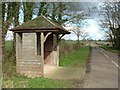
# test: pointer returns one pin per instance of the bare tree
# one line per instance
(77, 32)
(109, 14)
(84, 35)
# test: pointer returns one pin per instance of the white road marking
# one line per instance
(106, 55)
(116, 64)
(112, 60)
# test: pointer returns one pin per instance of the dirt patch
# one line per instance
(88, 65)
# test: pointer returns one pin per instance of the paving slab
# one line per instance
(63, 73)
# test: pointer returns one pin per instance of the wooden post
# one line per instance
(47, 36)
(57, 49)
(18, 48)
(42, 53)
(61, 37)
(18, 45)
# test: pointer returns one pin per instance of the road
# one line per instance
(104, 69)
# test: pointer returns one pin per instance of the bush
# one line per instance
(67, 47)
(8, 66)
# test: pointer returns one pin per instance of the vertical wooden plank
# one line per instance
(42, 53)
(17, 45)
(54, 52)
(38, 44)
(17, 49)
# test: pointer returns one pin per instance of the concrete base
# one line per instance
(63, 73)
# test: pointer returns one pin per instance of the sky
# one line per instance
(93, 30)
(93, 27)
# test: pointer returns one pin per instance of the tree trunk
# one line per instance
(53, 11)
(3, 36)
(111, 39)
(117, 39)
(43, 8)
(60, 13)
(5, 25)
(28, 10)
(3, 47)
(0, 46)
(15, 12)
(78, 41)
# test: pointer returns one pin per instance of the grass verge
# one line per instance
(77, 58)
(25, 82)
(111, 49)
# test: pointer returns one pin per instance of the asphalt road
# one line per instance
(104, 69)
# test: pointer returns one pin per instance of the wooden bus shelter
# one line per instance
(37, 44)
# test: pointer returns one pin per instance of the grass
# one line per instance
(110, 48)
(71, 56)
(77, 58)
(25, 82)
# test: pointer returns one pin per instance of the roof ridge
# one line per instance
(49, 20)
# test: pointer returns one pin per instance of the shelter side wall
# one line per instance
(30, 63)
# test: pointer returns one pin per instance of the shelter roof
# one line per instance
(40, 24)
